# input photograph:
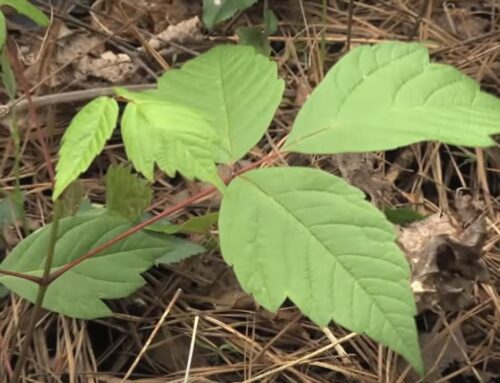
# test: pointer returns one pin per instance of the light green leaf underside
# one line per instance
(389, 95)
(216, 11)
(308, 235)
(175, 137)
(27, 9)
(114, 273)
(235, 87)
(126, 193)
(84, 140)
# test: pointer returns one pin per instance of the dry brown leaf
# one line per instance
(181, 33)
(446, 256)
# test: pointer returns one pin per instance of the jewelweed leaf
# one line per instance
(113, 273)
(308, 235)
(27, 9)
(84, 140)
(176, 137)
(216, 11)
(126, 193)
(389, 95)
(195, 225)
(235, 87)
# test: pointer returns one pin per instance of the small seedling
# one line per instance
(288, 232)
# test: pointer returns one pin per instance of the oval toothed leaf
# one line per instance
(309, 236)
(389, 95)
(84, 140)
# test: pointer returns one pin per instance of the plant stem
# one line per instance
(42, 289)
(66, 97)
(350, 13)
(174, 209)
(27, 277)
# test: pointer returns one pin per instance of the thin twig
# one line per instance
(33, 116)
(301, 360)
(42, 289)
(152, 335)
(67, 97)
(191, 349)
(350, 12)
(420, 17)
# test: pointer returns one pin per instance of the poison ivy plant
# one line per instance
(113, 273)
(309, 236)
(235, 87)
(175, 137)
(390, 95)
(216, 11)
(84, 139)
(27, 9)
(126, 194)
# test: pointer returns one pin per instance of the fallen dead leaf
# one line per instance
(446, 256)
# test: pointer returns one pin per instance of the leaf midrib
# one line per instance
(374, 302)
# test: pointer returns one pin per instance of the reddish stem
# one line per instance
(30, 278)
(174, 209)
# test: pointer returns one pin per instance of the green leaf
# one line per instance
(216, 11)
(4, 291)
(84, 140)
(3, 30)
(235, 87)
(308, 235)
(113, 273)
(72, 198)
(389, 95)
(270, 21)
(402, 215)
(254, 37)
(8, 78)
(27, 9)
(195, 225)
(176, 137)
(181, 249)
(126, 193)
(11, 209)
